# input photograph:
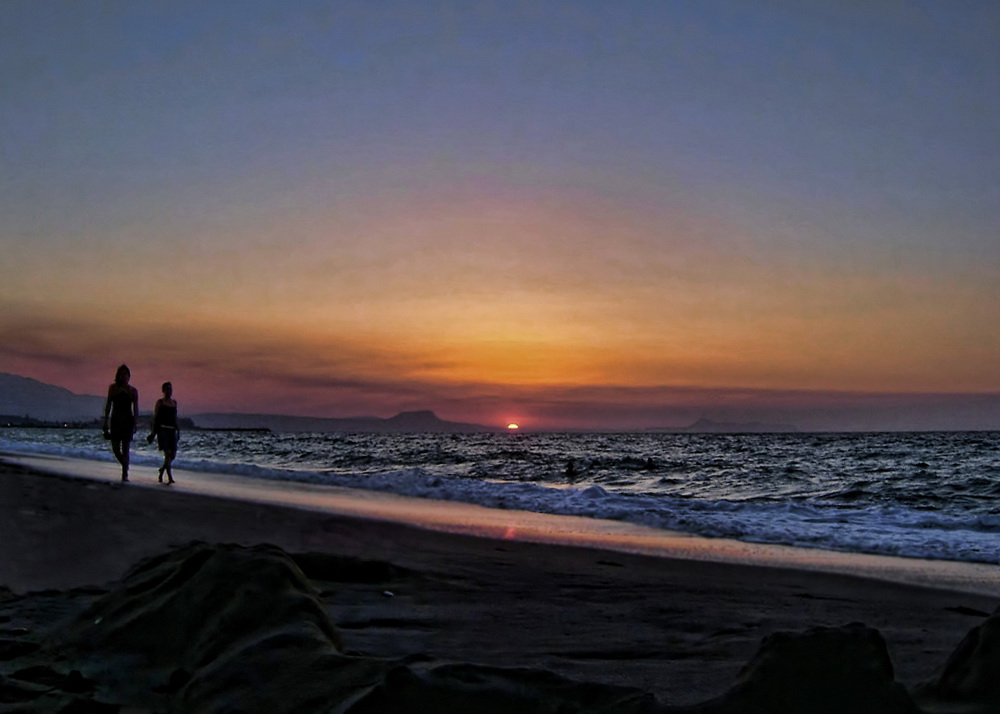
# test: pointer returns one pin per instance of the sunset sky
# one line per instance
(567, 214)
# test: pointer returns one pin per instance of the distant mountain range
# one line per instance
(404, 422)
(707, 426)
(22, 397)
(25, 398)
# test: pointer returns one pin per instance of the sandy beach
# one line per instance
(679, 631)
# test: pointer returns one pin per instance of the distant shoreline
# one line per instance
(7, 422)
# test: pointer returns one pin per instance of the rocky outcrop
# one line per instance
(969, 681)
(821, 671)
(218, 629)
(209, 629)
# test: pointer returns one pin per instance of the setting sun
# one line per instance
(513, 427)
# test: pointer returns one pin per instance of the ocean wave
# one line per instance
(837, 520)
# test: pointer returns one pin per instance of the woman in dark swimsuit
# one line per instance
(164, 428)
(120, 411)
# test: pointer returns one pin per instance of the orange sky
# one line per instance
(562, 219)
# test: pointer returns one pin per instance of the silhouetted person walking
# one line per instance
(164, 428)
(120, 412)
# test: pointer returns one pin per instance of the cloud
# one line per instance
(234, 367)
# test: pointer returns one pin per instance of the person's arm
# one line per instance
(107, 412)
(135, 408)
(154, 420)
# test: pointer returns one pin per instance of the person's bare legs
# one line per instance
(120, 448)
(168, 459)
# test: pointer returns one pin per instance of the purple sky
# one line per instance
(567, 214)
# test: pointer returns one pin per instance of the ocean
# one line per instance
(923, 495)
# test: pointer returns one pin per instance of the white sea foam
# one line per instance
(872, 524)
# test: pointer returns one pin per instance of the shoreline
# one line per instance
(679, 628)
(509, 525)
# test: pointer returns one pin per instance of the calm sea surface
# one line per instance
(929, 495)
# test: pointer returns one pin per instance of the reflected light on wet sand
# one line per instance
(468, 519)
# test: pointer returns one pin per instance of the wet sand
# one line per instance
(679, 624)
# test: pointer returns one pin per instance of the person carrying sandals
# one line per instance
(164, 428)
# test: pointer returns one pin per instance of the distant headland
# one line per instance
(707, 426)
(424, 421)
(28, 402)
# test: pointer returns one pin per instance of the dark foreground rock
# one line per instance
(208, 629)
(969, 682)
(224, 628)
(821, 671)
